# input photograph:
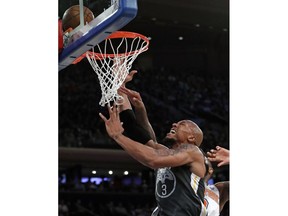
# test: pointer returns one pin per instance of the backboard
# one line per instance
(115, 15)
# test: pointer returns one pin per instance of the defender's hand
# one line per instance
(220, 155)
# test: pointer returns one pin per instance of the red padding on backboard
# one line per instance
(60, 36)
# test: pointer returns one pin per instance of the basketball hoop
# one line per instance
(112, 60)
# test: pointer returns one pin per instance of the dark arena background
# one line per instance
(183, 75)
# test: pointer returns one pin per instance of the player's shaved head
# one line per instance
(197, 132)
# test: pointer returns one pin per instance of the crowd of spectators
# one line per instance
(80, 207)
(97, 208)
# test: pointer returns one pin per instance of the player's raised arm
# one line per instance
(140, 110)
(136, 122)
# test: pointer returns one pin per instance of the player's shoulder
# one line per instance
(195, 149)
(191, 149)
(187, 146)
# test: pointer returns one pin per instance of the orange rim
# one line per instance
(117, 34)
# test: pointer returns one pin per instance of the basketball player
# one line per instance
(215, 195)
(220, 155)
(178, 162)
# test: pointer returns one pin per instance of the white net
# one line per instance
(112, 60)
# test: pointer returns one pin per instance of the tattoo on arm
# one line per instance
(166, 152)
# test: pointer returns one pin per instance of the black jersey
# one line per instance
(179, 192)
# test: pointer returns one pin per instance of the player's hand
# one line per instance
(129, 77)
(219, 155)
(133, 96)
(113, 125)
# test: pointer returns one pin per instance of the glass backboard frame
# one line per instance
(119, 14)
